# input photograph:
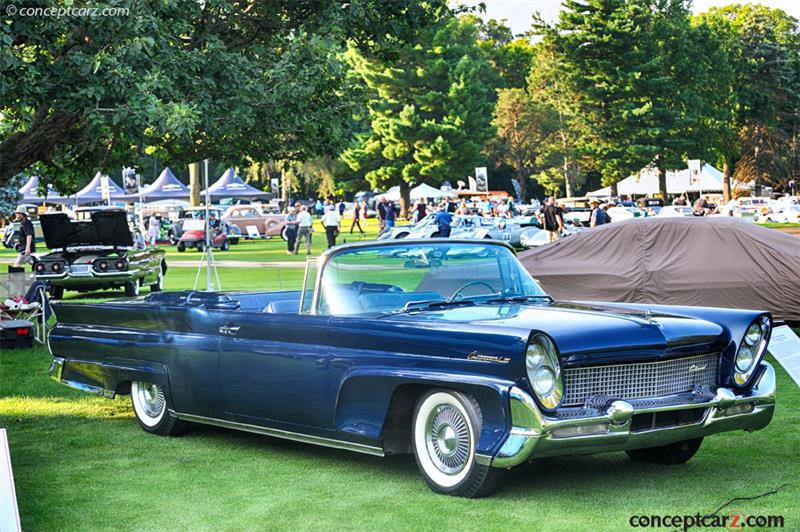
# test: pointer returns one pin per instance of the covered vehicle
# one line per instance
(701, 261)
(445, 349)
(97, 254)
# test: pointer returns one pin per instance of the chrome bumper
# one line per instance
(534, 435)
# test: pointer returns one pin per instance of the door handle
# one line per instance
(229, 329)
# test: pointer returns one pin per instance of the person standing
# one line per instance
(598, 215)
(356, 219)
(551, 219)
(391, 215)
(422, 210)
(305, 226)
(381, 215)
(27, 238)
(502, 209)
(330, 221)
(342, 207)
(291, 229)
(153, 229)
(444, 220)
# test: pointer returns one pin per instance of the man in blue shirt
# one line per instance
(391, 215)
(444, 219)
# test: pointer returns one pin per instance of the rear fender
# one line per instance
(112, 376)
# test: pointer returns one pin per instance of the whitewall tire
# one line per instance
(152, 410)
(445, 431)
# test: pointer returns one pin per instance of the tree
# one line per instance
(186, 80)
(430, 118)
(523, 126)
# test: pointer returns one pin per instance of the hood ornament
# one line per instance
(648, 316)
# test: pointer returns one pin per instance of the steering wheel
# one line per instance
(457, 293)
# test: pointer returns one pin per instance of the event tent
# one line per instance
(167, 186)
(423, 191)
(93, 192)
(678, 182)
(230, 185)
(30, 193)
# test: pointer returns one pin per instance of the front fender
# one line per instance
(365, 396)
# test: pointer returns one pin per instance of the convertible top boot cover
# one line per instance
(704, 261)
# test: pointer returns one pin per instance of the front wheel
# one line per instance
(151, 409)
(226, 245)
(181, 247)
(673, 454)
(446, 428)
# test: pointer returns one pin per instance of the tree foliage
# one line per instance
(186, 80)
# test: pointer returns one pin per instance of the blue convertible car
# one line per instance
(446, 349)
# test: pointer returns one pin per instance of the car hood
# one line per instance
(595, 332)
(109, 228)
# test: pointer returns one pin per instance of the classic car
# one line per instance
(441, 348)
(467, 226)
(676, 211)
(267, 225)
(97, 254)
(576, 210)
(199, 213)
(534, 237)
(11, 234)
(194, 236)
(782, 215)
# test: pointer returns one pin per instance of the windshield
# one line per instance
(390, 279)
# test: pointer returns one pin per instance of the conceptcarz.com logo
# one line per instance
(731, 520)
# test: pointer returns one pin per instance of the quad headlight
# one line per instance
(544, 371)
(751, 349)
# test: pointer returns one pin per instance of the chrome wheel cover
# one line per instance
(448, 439)
(151, 399)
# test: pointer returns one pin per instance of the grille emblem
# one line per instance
(694, 368)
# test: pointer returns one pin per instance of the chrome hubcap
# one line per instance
(152, 399)
(448, 439)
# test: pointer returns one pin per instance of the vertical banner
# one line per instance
(481, 179)
(275, 186)
(130, 180)
(695, 166)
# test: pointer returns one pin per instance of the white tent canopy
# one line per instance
(423, 191)
(678, 182)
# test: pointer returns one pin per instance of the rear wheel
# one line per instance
(283, 233)
(201, 246)
(57, 292)
(226, 245)
(132, 289)
(446, 428)
(676, 453)
(181, 247)
(159, 284)
(151, 409)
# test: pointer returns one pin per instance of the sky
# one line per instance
(518, 12)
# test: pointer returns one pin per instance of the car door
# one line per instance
(275, 369)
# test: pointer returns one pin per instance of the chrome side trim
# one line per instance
(284, 434)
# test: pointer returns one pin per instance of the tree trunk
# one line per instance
(38, 142)
(727, 166)
(405, 198)
(613, 188)
(662, 178)
(519, 177)
(567, 179)
(194, 184)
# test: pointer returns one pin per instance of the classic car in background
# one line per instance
(785, 214)
(469, 226)
(575, 210)
(194, 236)
(11, 234)
(533, 237)
(625, 212)
(651, 206)
(198, 213)
(267, 225)
(676, 211)
(446, 349)
(97, 254)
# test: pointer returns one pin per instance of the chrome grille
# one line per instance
(640, 380)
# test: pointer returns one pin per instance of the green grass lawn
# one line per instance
(81, 462)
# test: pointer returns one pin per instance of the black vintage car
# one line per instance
(97, 254)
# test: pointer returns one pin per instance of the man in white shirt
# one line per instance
(304, 229)
(330, 220)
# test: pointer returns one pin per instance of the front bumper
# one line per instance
(535, 435)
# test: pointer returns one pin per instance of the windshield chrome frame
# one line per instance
(322, 261)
